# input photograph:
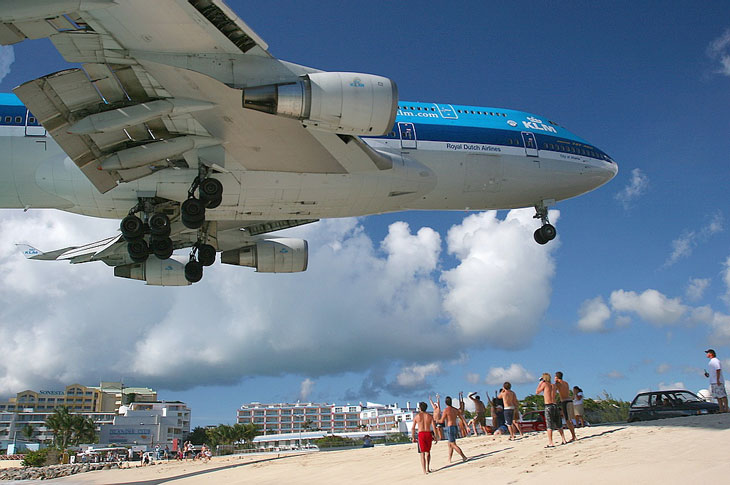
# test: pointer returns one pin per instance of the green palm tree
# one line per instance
(83, 430)
(28, 432)
(60, 424)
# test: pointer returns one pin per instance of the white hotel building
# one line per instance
(282, 418)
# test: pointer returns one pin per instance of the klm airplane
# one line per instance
(193, 135)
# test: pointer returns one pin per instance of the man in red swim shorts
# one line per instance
(423, 422)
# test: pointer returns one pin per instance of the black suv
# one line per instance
(668, 404)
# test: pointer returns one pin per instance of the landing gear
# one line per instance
(547, 232)
(200, 255)
(138, 250)
(134, 230)
(210, 190)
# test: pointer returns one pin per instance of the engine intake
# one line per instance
(156, 272)
(340, 102)
(283, 255)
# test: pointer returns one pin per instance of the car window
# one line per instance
(641, 400)
(685, 397)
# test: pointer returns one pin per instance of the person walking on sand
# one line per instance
(552, 414)
(509, 398)
(566, 403)
(450, 417)
(578, 407)
(717, 381)
(426, 427)
(437, 416)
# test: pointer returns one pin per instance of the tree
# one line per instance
(532, 402)
(28, 432)
(129, 398)
(70, 428)
(197, 436)
(83, 430)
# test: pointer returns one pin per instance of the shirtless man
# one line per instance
(510, 405)
(481, 413)
(463, 427)
(425, 424)
(437, 416)
(566, 403)
(450, 418)
(552, 414)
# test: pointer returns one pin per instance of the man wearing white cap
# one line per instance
(717, 382)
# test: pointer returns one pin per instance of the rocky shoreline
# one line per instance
(53, 471)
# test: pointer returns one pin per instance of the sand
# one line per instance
(679, 450)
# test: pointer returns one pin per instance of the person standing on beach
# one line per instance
(552, 414)
(437, 416)
(463, 427)
(426, 427)
(481, 413)
(509, 398)
(450, 418)
(717, 381)
(578, 407)
(566, 402)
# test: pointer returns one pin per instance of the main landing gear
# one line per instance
(547, 232)
(157, 226)
(210, 196)
(201, 255)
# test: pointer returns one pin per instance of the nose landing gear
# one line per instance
(547, 232)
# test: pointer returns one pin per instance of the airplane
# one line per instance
(195, 136)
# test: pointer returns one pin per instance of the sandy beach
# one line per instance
(680, 450)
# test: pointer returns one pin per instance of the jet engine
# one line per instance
(156, 272)
(340, 102)
(281, 255)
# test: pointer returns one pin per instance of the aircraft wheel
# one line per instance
(193, 271)
(162, 247)
(159, 225)
(138, 250)
(206, 254)
(132, 228)
(192, 213)
(539, 238)
(211, 192)
(548, 232)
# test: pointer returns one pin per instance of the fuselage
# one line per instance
(445, 157)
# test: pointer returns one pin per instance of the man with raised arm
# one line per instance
(450, 418)
(566, 402)
(426, 427)
(552, 414)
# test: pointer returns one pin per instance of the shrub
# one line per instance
(35, 458)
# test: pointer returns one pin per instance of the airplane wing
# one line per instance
(160, 87)
(111, 250)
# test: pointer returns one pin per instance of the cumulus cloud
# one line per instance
(651, 305)
(663, 368)
(472, 378)
(305, 389)
(636, 187)
(7, 57)
(515, 374)
(593, 315)
(696, 288)
(719, 51)
(503, 280)
(359, 305)
(671, 385)
(685, 244)
(614, 374)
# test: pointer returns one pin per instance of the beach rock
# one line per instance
(52, 471)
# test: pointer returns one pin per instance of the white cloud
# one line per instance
(415, 376)
(515, 374)
(663, 368)
(636, 187)
(623, 321)
(685, 244)
(306, 388)
(593, 315)
(650, 305)
(726, 280)
(614, 374)
(719, 51)
(502, 285)
(696, 288)
(472, 378)
(669, 386)
(7, 57)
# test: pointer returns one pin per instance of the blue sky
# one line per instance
(636, 286)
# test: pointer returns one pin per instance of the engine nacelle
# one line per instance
(281, 255)
(340, 102)
(156, 272)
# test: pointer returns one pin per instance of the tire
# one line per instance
(548, 232)
(159, 225)
(210, 189)
(213, 203)
(539, 239)
(132, 228)
(138, 250)
(193, 210)
(162, 247)
(206, 254)
(193, 271)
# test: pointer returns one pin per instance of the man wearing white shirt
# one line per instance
(717, 382)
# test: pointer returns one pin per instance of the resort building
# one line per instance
(150, 424)
(294, 418)
(105, 398)
(379, 417)
(14, 424)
